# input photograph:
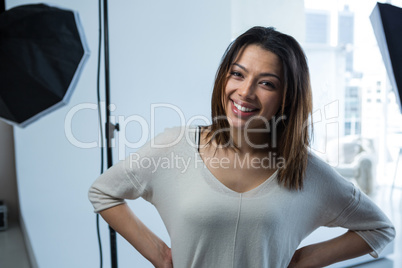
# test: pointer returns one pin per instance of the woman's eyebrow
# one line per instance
(261, 74)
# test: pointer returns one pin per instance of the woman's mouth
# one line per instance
(241, 110)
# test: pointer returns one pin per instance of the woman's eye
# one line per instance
(268, 84)
(237, 74)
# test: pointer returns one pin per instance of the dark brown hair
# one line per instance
(296, 105)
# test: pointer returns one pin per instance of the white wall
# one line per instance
(161, 51)
(286, 16)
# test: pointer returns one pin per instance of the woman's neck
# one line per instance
(254, 141)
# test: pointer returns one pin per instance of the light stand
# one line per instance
(110, 128)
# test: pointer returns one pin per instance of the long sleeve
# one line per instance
(368, 221)
(136, 175)
(113, 186)
(348, 207)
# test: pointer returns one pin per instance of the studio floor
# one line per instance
(12, 248)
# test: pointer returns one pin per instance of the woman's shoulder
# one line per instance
(317, 163)
(321, 174)
(176, 134)
(326, 186)
(171, 138)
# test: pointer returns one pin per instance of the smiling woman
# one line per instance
(250, 191)
(254, 88)
(278, 66)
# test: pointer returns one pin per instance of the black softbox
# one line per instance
(386, 20)
(42, 53)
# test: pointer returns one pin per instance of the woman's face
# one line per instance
(254, 89)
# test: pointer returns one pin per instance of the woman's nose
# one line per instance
(246, 89)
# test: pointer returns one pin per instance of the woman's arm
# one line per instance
(347, 246)
(124, 221)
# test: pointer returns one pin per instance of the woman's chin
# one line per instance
(237, 123)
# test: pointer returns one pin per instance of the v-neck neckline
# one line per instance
(219, 185)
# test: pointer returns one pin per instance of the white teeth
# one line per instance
(241, 108)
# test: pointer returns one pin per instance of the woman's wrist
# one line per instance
(307, 257)
(346, 246)
(162, 256)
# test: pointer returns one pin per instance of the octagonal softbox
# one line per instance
(42, 53)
